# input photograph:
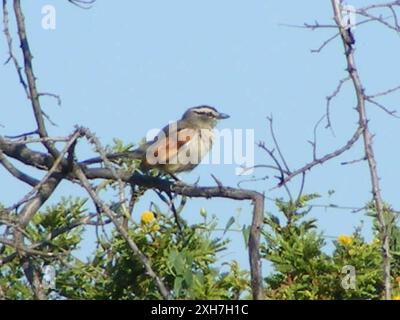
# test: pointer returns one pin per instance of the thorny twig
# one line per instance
(369, 152)
(329, 99)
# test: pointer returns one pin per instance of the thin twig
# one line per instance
(378, 19)
(276, 143)
(303, 182)
(329, 99)
(325, 43)
(384, 93)
(381, 5)
(11, 56)
(83, 4)
(353, 161)
(382, 107)
(357, 134)
(53, 95)
(314, 142)
(282, 176)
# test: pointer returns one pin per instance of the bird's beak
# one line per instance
(223, 116)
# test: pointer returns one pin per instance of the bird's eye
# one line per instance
(207, 114)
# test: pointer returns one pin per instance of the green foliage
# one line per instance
(187, 258)
(183, 259)
(127, 163)
(304, 270)
(55, 230)
(366, 258)
(54, 221)
(295, 252)
(390, 218)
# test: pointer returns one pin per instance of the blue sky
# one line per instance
(125, 67)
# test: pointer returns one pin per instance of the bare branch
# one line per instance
(26, 250)
(217, 181)
(17, 173)
(325, 158)
(384, 93)
(395, 18)
(314, 142)
(171, 207)
(33, 205)
(266, 166)
(316, 25)
(53, 169)
(31, 79)
(25, 141)
(83, 4)
(239, 184)
(325, 43)
(380, 19)
(303, 182)
(382, 107)
(282, 172)
(23, 135)
(329, 99)
(53, 95)
(381, 5)
(353, 161)
(11, 56)
(369, 152)
(276, 143)
(312, 26)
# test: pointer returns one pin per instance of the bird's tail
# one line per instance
(135, 154)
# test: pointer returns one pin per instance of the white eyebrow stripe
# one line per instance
(206, 110)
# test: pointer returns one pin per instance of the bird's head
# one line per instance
(203, 116)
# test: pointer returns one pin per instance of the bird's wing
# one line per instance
(168, 142)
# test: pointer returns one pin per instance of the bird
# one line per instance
(179, 147)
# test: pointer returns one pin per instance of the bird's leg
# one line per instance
(173, 176)
(196, 183)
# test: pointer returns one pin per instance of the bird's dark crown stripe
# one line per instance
(205, 110)
(205, 107)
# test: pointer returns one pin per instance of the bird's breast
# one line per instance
(196, 148)
(202, 143)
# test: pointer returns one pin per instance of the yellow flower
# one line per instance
(155, 227)
(147, 217)
(396, 297)
(345, 240)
